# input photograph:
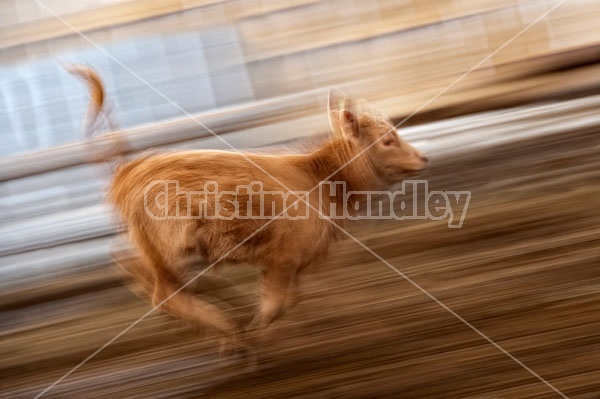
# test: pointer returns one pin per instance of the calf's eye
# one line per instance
(388, 141)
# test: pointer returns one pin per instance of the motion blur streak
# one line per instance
(520, 133)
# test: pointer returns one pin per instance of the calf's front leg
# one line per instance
(276, 285)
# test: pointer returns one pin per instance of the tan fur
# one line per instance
(283, 248)
(97, 96)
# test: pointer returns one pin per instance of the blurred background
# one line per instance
(519, 130)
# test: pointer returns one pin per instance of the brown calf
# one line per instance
(282, 248)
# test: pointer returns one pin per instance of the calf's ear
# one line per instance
(335, 103)
(348, 119)
(342, 114)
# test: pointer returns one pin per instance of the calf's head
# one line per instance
(369, 132)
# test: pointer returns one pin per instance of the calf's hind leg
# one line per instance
(184, 305)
